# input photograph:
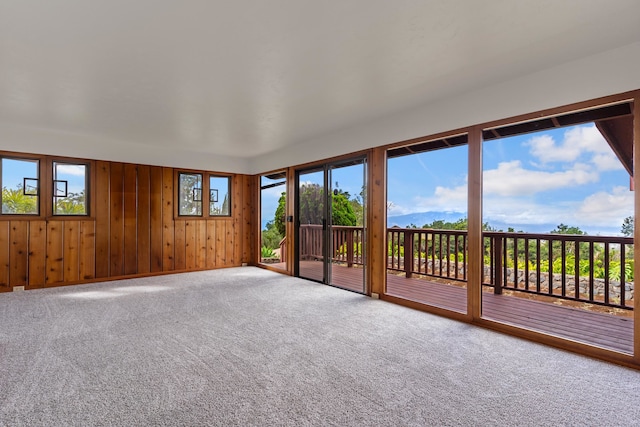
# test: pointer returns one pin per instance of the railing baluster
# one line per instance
(550, 279)
(576, 262)
(538, 262)
(563, 269)
(606, 273)
(623, 274)
(591, 268)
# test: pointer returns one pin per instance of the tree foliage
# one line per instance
(627, 226)
(14, 201)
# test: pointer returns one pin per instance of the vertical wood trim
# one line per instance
(4, 255)
(102, 227)
(237, 226)
(155, 208)
(636, 230)
(37, 253)
(71, 254)
(229, 243)
(168, 226)
(248, 218)
(190, 244)
(180, 245)
(474, 201)
(221, 235)
(211, 244)
(376, 221)
(201, 244)
(117, 220)
(130, 185)
(55, 252)
(87, 250)
(144, 220)
(18, 253)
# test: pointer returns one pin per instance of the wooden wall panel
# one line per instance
(168, 225)
(130, 183)
(201, 245)
(71, 251)
(211, 244)
(116, 244)
(236, 228)
(4, 255)
(221, 236)
(18, 253)
(155, 220)
(144, 220)
(87, 250)
(102, 218)
(190, 244)
(38, 253)
(250, 192)
(132, 231)
(180, 245)
(55, 252)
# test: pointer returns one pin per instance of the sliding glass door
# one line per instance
(331, 231)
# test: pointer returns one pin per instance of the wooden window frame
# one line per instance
(206, 175)
(45, 187)
(41, 168)
(229, 194)
(89, 187)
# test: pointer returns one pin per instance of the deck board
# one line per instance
(592, 328)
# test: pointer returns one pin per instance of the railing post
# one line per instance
(408, 253)
(497, 270)
(350, 232)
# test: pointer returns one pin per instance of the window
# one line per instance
(219, 200)
(190, 194)
(20, 187)
(70, 188)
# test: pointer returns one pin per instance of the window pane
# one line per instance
(219, 199)
(16, 199)
(69, 189)
(190, 194)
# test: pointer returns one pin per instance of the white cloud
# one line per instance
(606, 208)
(576, 141)
(448, 199)
(606, 162)
(511, 179)
(75, 170)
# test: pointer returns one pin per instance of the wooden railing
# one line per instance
(347, 244)
(435, 253)
(590, 269)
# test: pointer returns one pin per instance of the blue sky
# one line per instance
(567, 175)
(14, 170)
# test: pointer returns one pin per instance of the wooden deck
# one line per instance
(598, 329)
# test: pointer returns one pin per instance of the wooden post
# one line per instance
(474, 202)
(350, 232)
(636, 231)
(408, 253)
(376, 239)
(497, 265)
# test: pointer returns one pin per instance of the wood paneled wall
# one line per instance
(132, 232)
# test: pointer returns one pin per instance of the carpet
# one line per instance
(245, 346)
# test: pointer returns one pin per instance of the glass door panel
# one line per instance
(312, 197)
(347, 227)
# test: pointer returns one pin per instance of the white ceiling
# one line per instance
(252, 85)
